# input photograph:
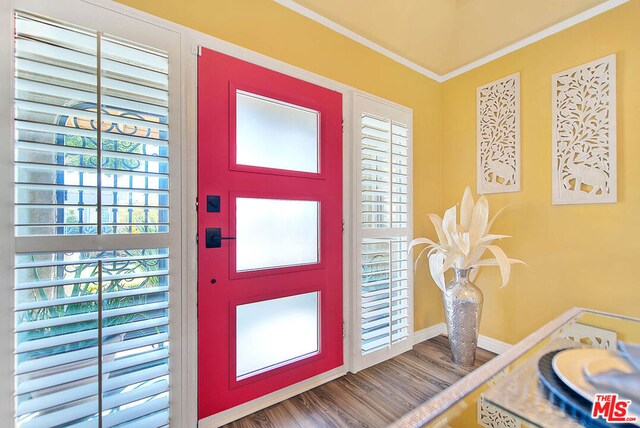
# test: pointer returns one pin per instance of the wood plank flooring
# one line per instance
(373, 397)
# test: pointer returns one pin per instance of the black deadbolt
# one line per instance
(213, 203)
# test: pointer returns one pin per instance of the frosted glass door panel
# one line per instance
(273, 332)
(273, 134)
(272, 233)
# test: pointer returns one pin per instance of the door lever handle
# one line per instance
(213, 237)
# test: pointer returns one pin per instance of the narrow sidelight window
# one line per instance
(385, 289)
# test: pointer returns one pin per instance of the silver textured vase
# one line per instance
(463, 310)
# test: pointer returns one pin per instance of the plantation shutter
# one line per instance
(55, 149)
(384, 173)
(385, 292)
(91, 165)
(61, 187)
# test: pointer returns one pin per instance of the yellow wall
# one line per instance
(578, 255)
(268, 28)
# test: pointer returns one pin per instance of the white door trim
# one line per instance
(7, 405)
(265, 401)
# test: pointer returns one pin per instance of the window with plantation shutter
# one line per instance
(385, 283)
(91, 172)
(73, 176)
(91, 322)
(384, 173)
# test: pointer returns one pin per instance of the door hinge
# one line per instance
(196, 203)
(342, 225)
(344, 330)
(196, 239)
(343, 125)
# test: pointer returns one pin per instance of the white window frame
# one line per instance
(84, 14)
(366, 103)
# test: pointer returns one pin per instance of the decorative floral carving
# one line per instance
(499, 136)
(590, 336)
(584, 133)
(490, 416)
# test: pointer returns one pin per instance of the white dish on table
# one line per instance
(570, 366)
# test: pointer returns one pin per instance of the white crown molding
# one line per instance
(290, 4)
(560, 26)
(563, 25)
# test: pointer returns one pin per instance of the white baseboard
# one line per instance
(493, 345)
(485, 342)
(429, 332)
(245, 409)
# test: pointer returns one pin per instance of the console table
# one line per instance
(486, 398)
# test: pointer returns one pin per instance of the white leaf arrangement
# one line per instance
(462, 245)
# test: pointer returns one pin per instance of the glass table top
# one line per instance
(504, 392)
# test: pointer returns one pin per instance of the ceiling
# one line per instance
(444, 35)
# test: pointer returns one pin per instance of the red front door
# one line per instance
(270, 231)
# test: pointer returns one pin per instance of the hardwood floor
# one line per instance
(373, 397)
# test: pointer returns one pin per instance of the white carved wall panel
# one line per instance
(498, 149)
(584, 133)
